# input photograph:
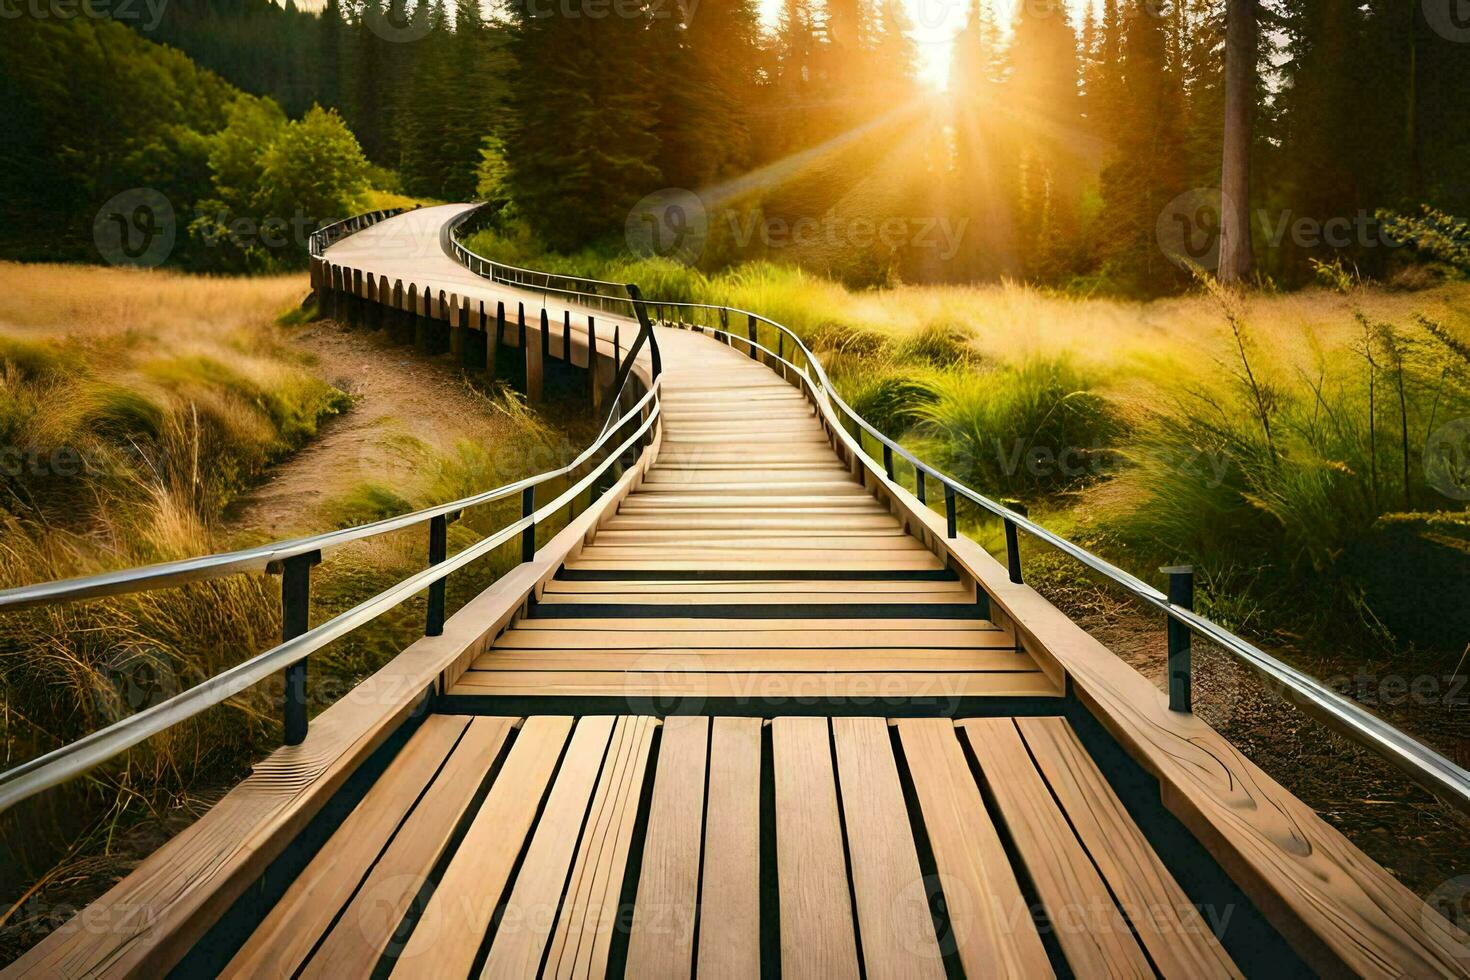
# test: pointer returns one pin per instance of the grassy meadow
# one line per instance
(138, 409)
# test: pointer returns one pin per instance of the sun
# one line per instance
(934, 25)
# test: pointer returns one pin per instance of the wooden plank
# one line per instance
(1170, 926)
(816, 910)
(1091, 931)
(302, 915)
(833, 637)
(730, 919)
(950, 591)
(448, 934)
(525, 926)
(368, 923)
(753, 686)
(705, 598)
(762, 659)
(992, 925)
(896, 929)
(583, 935)
(662, 939)
(679, 624)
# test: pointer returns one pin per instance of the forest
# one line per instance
(1072, 146)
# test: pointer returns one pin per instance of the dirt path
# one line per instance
(398, 396)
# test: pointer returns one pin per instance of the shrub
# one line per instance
(1035, 427)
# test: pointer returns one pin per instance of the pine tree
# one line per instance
(1146, 170)
(582, 149)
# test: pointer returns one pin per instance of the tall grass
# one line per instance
(133, 407)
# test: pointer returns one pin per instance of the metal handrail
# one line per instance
(70, 760)
(1423, 764)
(327, 235)
(265, 557)
(75, 758)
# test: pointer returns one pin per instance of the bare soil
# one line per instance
(398, 395)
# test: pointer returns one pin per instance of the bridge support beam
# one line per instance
(534, 346)
(594, 388)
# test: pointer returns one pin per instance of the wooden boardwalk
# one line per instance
(871, 822)
(753, 713)
(750, 563)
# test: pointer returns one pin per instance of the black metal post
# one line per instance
(751, 327)
(296, 620)
(888, 460)
(1181, 594)
(1013, 545)
(528, 536)
(438, 551)
(949, 512)
(919, 484)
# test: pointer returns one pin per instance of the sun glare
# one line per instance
(934, 25)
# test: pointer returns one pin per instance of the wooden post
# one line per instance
(417, 304)
(534, 344)
(594, 390)
(492, 342)
(375, 305)
(472, 354)
(545, 339)
(442, 315)
(402, 319)
(359, 306)
(457, 331)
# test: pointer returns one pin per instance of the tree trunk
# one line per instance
(1236, 257)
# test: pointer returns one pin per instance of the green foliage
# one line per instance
(1296, 483)
(1039, 426)
(111, 111)
(1435, 234)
